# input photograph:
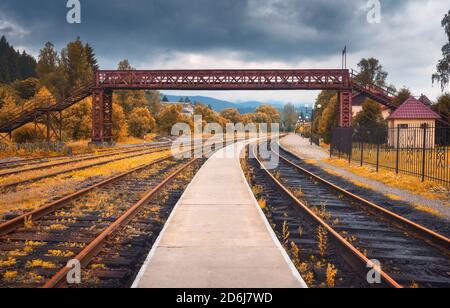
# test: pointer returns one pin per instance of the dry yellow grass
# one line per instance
(28, 175)
(40, 264)
(429, 210)
(34, 195)
(425, 189)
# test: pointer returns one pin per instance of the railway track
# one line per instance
(34, 166)
(359, 231)
(50, 174)
(129, 208)
(43, 160)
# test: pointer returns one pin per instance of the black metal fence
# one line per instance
(422, 151)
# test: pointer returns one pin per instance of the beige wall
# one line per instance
(413, 136)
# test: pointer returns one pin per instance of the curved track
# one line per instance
(410, 254)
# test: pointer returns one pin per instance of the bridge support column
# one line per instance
(345, 109)
(102, 116)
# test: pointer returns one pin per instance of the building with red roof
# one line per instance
(411, 123)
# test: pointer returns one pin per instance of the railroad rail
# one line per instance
(82, 231)
(410, 254)
(70, 160)
(83, 167)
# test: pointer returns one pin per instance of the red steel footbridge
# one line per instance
(343, 81)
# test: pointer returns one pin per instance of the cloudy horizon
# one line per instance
(202, 34)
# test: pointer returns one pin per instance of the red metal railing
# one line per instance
(338, 80)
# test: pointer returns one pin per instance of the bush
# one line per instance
(26, 134)
(140, 122)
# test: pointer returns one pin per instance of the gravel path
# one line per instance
(305, 150)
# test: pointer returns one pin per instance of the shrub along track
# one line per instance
(357, 230)
(36, 247)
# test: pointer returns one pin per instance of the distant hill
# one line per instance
(219, 105)
(216, 104)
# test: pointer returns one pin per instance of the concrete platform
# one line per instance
(218, 237)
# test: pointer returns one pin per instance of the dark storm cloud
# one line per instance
(283, 30)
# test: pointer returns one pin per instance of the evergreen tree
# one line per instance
(370, 116)
(13, 64)
(165, 99)
(92, 60)
(402, 96)
(50, 72)
(442, 75)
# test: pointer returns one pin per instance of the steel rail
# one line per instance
(76, 160)
(91, 250)
(49, 175)
(42, 160)
(15, 223)
(433, 238)
(351, 254)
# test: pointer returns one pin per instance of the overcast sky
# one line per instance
(177, 34)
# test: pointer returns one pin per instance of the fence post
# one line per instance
(362, 153)
(398, 150)
(378, 157)
(350, 153)
(424, 151)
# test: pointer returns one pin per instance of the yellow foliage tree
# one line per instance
(140, 122)
(272, 113)
(119, 129)
(43, 98)
(171, 115)
(231, 115)
(8, 109)
(78, 120)
(209, 116)
(28, 134)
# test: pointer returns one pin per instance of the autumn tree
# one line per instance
(43, 98)
(28, 134)
(78, 120)
(231, 115)
(371, 71)
(323, 100)
(76, 64)
(209, 115)
(50, 72)
(140, 122)
(127, 99)
(328, 119)
(169, 116)
(442, 75)
(370, 116)
(273, 115)
(154, 102)
(289, 117)
(27, 88)
(8, 108)
(120, 126)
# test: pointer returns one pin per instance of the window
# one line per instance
(403, 126)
